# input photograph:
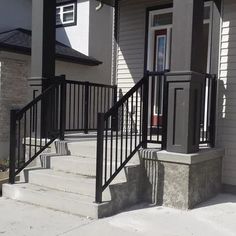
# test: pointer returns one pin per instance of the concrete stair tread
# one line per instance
(83, 159)
(54, 199)
(60, 174)
(68, 182)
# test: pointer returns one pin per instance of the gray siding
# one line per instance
(227, 92)
(130, 57)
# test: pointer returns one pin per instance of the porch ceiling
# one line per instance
(112, 2)
(109, 2)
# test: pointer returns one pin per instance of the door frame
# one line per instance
(149, 44)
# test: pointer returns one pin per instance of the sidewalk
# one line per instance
(214, 218)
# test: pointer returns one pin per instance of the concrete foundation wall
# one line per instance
(181, 183)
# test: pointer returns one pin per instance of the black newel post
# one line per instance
(99, 167)
(186, 77)
(12, 159)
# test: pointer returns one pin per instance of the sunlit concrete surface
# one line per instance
(213, 218)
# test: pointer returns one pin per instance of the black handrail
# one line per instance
(129, 125)
(65, 105)
(28, 130)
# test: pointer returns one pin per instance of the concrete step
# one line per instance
(58, 200)
(87, 148)
(78, 165)
(66, 182)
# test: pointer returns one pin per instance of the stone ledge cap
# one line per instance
(202, 156)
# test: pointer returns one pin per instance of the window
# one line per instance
(66, 15)
(166, 18)
(162, 19)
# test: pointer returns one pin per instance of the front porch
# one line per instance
(172, 108)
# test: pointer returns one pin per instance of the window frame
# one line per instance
(61, 6)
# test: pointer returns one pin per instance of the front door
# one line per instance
(159, 49)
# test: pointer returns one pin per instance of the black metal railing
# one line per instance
(64, 106)
(84, 100)
(132, 125)
(208, 110)
(157, 108)
(36, 126)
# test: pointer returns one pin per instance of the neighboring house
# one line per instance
(83, 49)
(175, 68)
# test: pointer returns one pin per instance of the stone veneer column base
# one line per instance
(181, 180)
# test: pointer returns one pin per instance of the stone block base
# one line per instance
(181, 180)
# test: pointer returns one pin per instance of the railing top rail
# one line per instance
(38, 98)
(124, 98)
(210, 76)
(89, 83)
(155, 73)
(131, 91)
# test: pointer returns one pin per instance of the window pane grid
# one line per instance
(65, 14)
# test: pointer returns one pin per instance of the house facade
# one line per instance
(137, 49)
(174, 68)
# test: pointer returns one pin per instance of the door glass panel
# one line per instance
(207, 12)
(160, 53)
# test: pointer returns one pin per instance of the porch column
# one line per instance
(186, 78)
(43, 39)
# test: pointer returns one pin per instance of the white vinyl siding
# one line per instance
(131, 42)
(226, 137)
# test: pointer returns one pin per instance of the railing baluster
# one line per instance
(159, 118)
(208, 108)
(145, 113)
(106, 143)
(121, 135)
(136, 117)
(126, 133)
(19, 144)
(30, 132)
(24, 152)
(36, 123)
(86, 108)
(152, 97)
(116, 158)
(74, 108)
(111, 152)
(131, 125)
(69, 107)
(140, 114)
(213, 112)
(63, 108)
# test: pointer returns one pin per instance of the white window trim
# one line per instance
(62, 12)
